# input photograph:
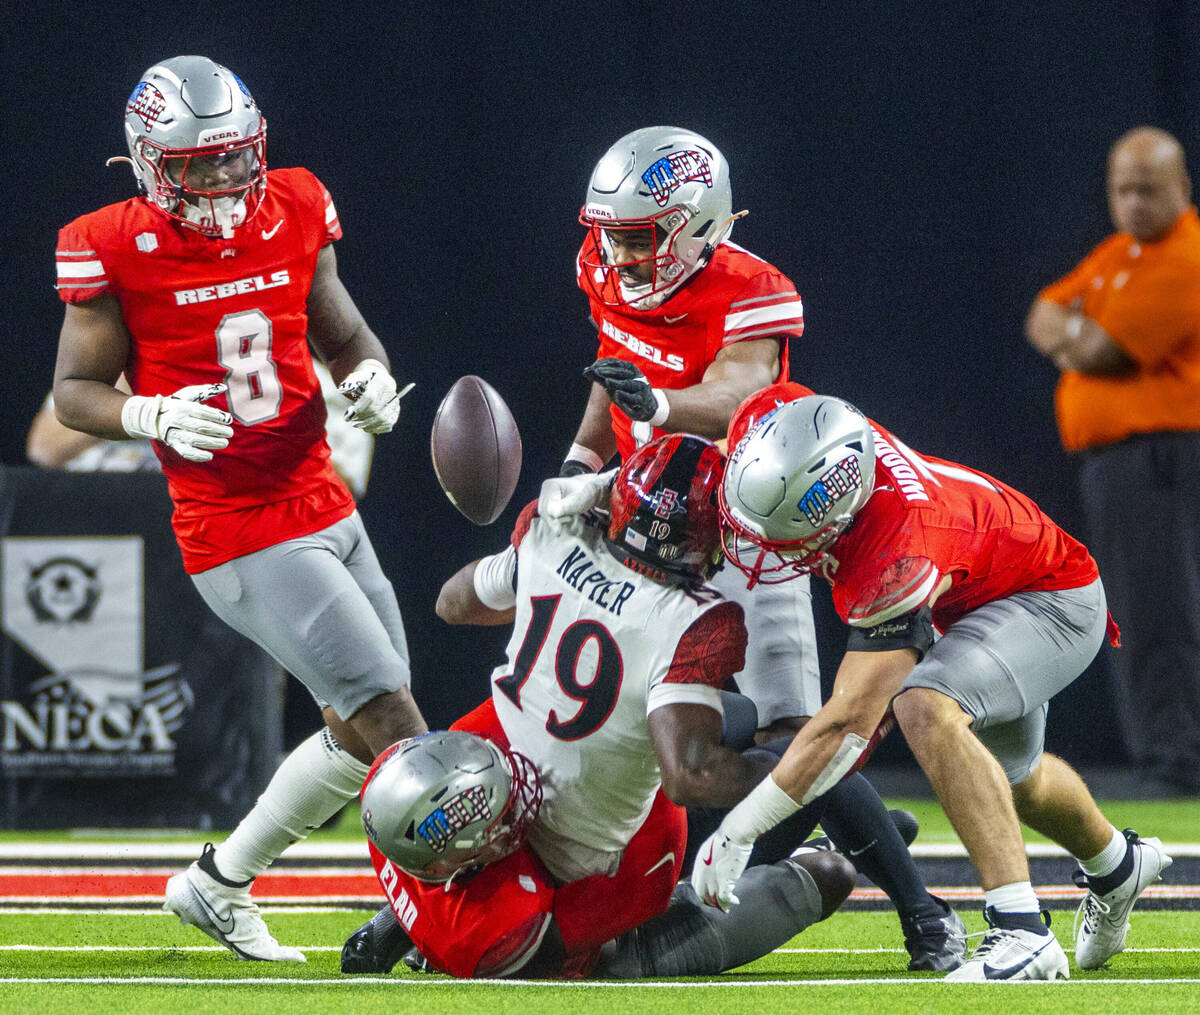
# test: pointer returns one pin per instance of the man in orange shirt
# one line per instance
(1124, 329)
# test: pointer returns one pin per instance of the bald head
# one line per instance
(1148, 185)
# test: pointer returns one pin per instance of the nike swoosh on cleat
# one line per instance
(1006, 972)
(223, 923)
(669, 858)
(267, 235)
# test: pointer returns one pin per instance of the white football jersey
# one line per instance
(590, 657)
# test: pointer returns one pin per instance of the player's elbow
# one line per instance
(685, 791)
(695, 785)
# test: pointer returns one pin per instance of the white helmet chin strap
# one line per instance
(227, 214)
(639, 296)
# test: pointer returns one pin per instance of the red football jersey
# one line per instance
(736, 296)
(202, 311)
(928, 518)
(492, 923)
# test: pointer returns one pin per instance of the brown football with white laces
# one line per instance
(476, 449)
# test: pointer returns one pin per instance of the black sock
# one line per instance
(857, 822)
(208, 864)
(1104, 885)
(1032, 922)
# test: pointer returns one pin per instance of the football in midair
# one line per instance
(476, 449)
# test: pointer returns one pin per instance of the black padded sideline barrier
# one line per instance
(123, 700)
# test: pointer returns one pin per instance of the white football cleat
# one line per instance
(1102, 921)
(1013, 954)
(225, 913)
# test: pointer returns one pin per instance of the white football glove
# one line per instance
(566, 497)
(373, 391)
(180, 421)
(718, 864)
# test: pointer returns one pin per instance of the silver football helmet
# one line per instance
(197, 143)
(658, 204)
(445, 804)
(793, 485)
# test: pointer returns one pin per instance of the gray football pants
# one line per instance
(323, 608)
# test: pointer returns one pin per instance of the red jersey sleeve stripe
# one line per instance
(910, 596)
(786, 296)
(87, 271)
(333, 227)
(762, 317)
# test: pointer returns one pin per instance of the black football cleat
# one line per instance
(935, 943)
(417, 962)
(376, 946)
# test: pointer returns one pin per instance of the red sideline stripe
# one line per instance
(121, 884)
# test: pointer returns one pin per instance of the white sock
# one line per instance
(311, 786)
(1017, 897)
(1108, 859)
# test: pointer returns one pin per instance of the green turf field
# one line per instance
(132, 963)
(1175, 820)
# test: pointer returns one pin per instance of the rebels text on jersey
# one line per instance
(927, 518)
(202, 310)
(595, 648)
(735, 297)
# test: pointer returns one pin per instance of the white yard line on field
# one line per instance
(560, 985)
(338, 948)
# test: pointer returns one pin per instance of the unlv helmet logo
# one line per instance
(670, 173)
(442, 824)
(147, 102)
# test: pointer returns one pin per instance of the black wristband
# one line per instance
(574, 467)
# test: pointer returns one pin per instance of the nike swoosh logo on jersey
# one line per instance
(669, 858)
(267, 235)
(673, 320)
(223, 923)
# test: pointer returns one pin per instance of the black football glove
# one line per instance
(572, 467)
(626, 386)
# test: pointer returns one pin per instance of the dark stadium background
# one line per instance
(919, 170)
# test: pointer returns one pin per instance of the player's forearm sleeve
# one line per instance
(495, 580)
